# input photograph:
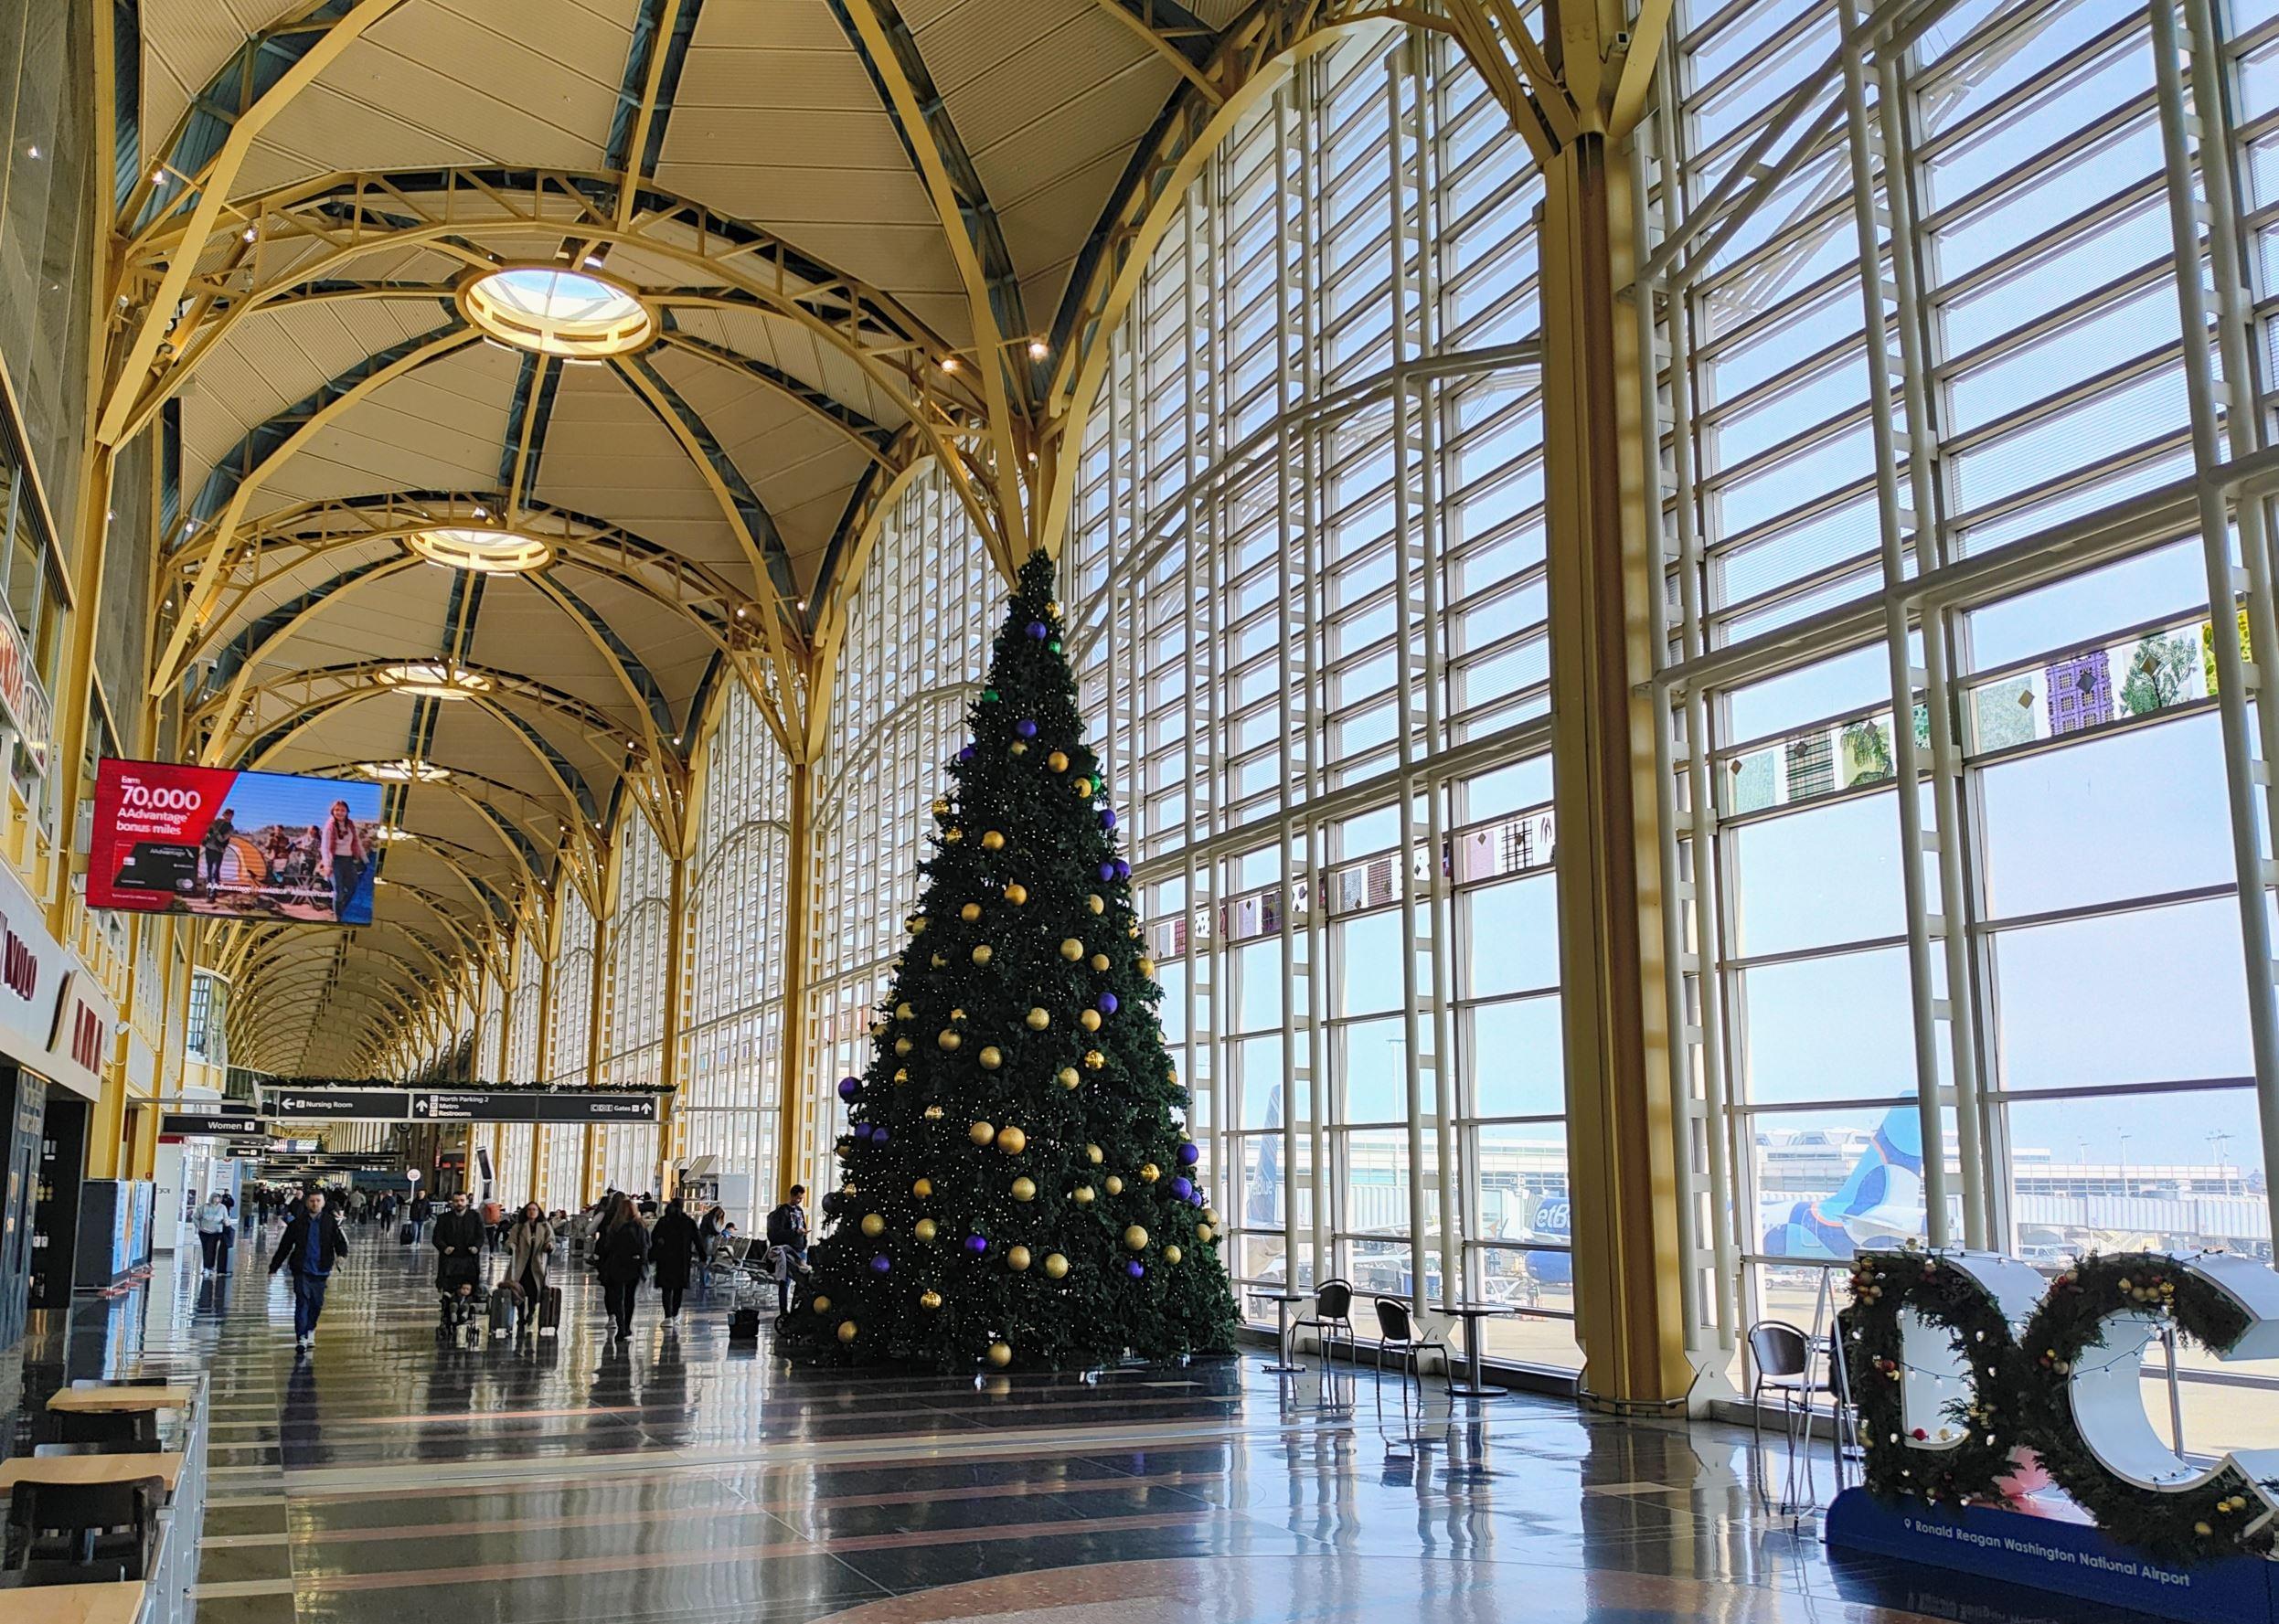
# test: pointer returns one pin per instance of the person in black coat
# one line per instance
(674, 1246)
(312, 1244)
(458, 1249)
(620, 1256)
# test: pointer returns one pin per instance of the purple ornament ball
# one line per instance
(965, 753)
(1037, 630)
(878, 1135)
(849, 1087)
(1107, 871)
(1188, 1154)
(1182, 1188)
(862, 1131)
(1025, 727)
(1107, 1003)
(880, 1264)
(1123, 869)
(1135, 1268)
(976, 1244)
(1107, 817)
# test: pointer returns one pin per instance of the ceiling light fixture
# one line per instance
(949, 363)
(1038, 349)
(552, 310)
(486, 550)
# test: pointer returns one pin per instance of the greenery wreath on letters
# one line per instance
(1882, 1284)
(2219, 1518)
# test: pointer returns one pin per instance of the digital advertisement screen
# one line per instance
(171, 838)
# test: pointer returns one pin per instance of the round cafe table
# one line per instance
(1282, 1301)
(1472, 1314)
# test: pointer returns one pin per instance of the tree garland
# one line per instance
(1882, 1284)
(2219, 1518)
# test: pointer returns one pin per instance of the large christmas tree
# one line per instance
(1017, 1186)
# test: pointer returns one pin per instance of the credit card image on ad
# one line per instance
(173, 838)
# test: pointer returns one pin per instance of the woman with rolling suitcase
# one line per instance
(530, 1252)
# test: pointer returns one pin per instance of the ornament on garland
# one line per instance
(1009, 1271)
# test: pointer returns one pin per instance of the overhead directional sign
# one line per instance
(334, 1105)
(457, 1105)
(205, 1121)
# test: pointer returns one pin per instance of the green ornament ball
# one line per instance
(989, 696)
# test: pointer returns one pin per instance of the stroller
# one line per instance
(464, 1301)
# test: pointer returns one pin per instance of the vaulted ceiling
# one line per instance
(854, 227)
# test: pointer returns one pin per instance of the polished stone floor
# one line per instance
(386, 1477)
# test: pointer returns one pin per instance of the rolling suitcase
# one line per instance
(403, 1235)
(502, 1313)
(550, 1311)
(743, 1325)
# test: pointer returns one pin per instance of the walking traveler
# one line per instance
(674, 1246)
(458, 1250)
(213, 1233)
(312, 1243)
(529, 1254)
(621, 1256)
(422, 1209)
(493, 1220)
(787, 1228)
(707, 1244)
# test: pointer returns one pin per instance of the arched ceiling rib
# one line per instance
(853, 220)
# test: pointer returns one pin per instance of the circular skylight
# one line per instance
(480, 548)
(556, 310)
(404, 771)
(435, 679)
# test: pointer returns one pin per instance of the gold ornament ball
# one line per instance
(970, 912)
(1149, 1173)
(1146, 967)
(938, 961)
(1057, 760)
(1012, 1141)
(1135, 1240)
(1114, 1183)
(901, 1073)
(1000, 1356)
(1020, 749)
(1092, 1153)
(990, 1058)
(1038, 1019)
(1083, 786)
(922, 1187)
(1056, 1266)
(933, 1113)
(981, 1134)
(1071, 949)
(902, 1011)
(1202, 1232)
(1100, 961)
(949, 1039)
(1024, 1190)
(1068, 1079)
(941, 807)
(1082, 1195)
(846, 1331)
(1089, 1019)
(878, 1028)
(1016, 893)
(951, 835)
(1094, 1060)
(1096, 903)
(1210, 1214)
(903, 1045)
(924, 1229)
(984, 953)
(991, 841)
(930, 1300)
(957, 1015)
(1132, 930)
(917, 925)
(1016, 1258)
(873, 1225)
(1172, 1254)
(822, 1305)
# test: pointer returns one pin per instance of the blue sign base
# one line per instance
(2053, 1554)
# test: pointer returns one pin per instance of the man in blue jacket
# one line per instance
(312, 1243)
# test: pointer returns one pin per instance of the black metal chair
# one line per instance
(131, 1429)
(70, 1533)
(1782, 1363)
(1397, 1332)
(1333, 1310)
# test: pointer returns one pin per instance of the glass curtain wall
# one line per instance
(914, 646)
(570, 1054)
(1957, 545)
(742, 904)
(640, 940)
(515, 1150)
(1306, 570)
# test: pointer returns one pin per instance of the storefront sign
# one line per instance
(52, 1018)
(23, 701)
